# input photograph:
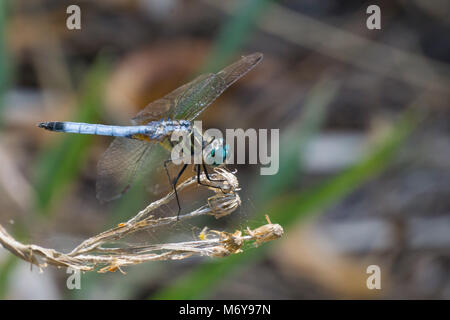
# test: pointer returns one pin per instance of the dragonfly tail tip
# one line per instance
(52, 126)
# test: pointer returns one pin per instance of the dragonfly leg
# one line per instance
(207, 175)
(167, 170)
(174, 183)
(199, 170)
(175, 188)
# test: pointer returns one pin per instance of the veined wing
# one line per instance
(164, 107)
(235, 71)
(118, 166)
(189, 100)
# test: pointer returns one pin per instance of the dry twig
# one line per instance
(93, 254)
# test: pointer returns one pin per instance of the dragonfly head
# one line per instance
(216, 153)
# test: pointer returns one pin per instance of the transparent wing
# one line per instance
(118, 165)
(166, 106)
(235, 71)
(189, 100)
(194, 103)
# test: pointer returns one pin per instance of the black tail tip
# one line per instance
(52, 126)
(44, 125)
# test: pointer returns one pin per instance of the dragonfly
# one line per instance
(132, 147)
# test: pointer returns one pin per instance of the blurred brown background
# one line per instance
(335, 89)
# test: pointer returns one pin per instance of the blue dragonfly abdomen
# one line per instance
(155, 130)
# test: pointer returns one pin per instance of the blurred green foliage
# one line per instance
(6, 267)
(295, 138)
(5, 71)
(235, 32)
(5, 66)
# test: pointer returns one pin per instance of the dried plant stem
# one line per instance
(92, 255)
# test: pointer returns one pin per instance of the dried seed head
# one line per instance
(232, 241)
(219, 252)
(268, 232)
(228, 183)
(222, 204)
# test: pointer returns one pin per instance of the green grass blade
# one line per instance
(295, 139)
(6, 269)
(4, 57)
(235, 32)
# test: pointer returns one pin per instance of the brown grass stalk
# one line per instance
(104, 252)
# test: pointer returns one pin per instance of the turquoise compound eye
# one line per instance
(217, 153)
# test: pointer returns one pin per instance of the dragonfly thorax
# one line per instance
(162, 129)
